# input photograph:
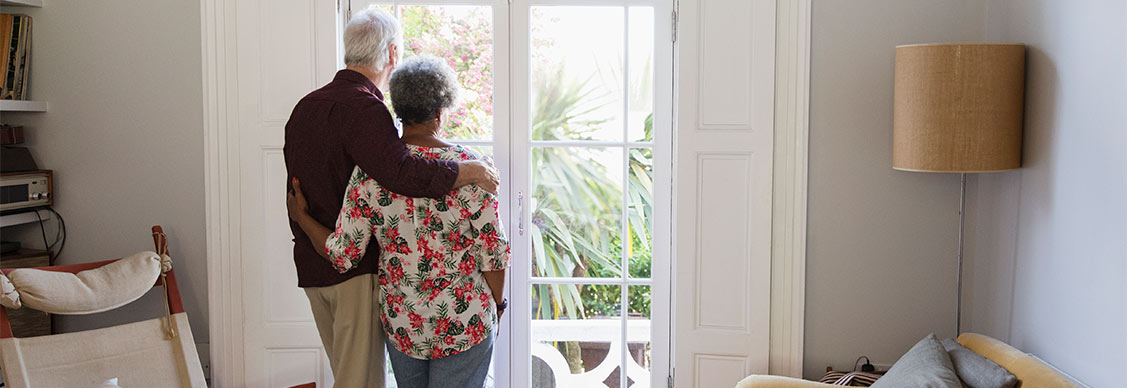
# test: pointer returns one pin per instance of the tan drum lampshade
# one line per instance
(958, 107)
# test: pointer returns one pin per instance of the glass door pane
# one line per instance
(576, 65)
(641, 63)
(576, 350)
(576, 212)
(463, 35)
(640, 213)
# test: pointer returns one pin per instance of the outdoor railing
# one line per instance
(547, 332)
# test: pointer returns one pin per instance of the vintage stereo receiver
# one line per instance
(24, 190)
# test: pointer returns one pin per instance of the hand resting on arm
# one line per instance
(298, 209)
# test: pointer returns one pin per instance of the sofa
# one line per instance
(1031, 372)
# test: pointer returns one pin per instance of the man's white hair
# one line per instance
(368, 36)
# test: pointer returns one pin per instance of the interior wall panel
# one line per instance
(719, 370)
(723, 251)
(284, 302)
(290, 367)
(288, 65)
(725, 64)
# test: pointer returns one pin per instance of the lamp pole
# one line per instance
(959, 266)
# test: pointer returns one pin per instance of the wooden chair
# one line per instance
(158, 352)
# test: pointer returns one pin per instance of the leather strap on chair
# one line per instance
(161, 242)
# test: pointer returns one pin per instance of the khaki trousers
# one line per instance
(347, 317)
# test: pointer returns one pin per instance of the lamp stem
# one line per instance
(959, 267)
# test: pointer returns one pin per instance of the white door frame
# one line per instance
(222, 166)
(788, 213)
(222, 192)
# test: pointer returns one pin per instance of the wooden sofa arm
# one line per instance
(764, 381)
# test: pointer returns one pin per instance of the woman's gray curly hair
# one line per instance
(421, 87)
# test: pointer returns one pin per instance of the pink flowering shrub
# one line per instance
(464, 37)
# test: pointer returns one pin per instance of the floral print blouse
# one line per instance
(436, 300)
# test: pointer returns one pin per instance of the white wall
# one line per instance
(1046, 245)
(881, 243)
(124, 137)
(1048, 264)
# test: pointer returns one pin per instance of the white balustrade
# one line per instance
(545, 332)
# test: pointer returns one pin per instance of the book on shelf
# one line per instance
(15, 45)
(5, 45)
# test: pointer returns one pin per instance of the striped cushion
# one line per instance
(853, 379)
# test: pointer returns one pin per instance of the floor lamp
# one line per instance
(958, 109)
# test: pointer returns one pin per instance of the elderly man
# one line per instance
(333, 129)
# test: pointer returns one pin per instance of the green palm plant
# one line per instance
(575, 207)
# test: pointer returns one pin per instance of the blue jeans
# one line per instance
(467, 369)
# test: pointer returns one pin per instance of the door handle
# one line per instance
(520, 212)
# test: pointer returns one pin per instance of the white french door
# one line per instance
(573, 100)
(592, 149)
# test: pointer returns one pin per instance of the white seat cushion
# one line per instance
(137, 354)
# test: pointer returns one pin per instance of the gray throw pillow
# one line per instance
(926, 365)
(977, 371)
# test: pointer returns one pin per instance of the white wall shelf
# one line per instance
(22, 3)
(22, 106)
(22, 218)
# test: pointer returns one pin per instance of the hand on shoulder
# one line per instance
(481, 173)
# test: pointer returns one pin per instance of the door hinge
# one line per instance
(674, 25)
(670, 380)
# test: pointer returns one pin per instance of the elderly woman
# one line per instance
(442, 269)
